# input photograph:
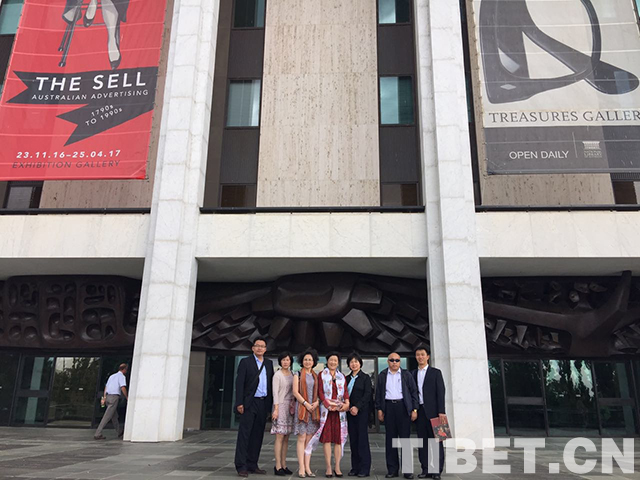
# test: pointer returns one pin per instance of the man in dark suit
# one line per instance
(431, 395)
(397, 406)
(254, 398)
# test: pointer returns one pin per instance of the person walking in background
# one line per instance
(360, 398)
(307, 418)
(116, 386)
(431, 396)
(397, 406)
(253, 403)
(283, 411)
(334, 403)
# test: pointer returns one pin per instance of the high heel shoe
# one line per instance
(301, 475)
(287, 471)
(279, 472)
(87, 22)
(311, 474)
(116, 63)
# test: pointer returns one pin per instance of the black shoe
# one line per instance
(279, 472)
(243, 473)
(424, 475)
(352, 473)
(258, 471)
(436, 476)
(287, 471)
(328, 475)
(391, 475)
(339, 475)
(362, 475)
(408, 475)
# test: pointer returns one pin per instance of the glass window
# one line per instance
(526, 420)
(497, 397)
(399, 195)
(396, 101)
(8, 374)
(614, 379)
(23, 195)
(249, 14)
(244, 104)
(618, 421)
(394, 11)
(10, 11)
(523, 379)
(36, 373)
(238, 196)
(571, 405)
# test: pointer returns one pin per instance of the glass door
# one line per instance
(526, 412)
(9, 363)
(32, 397)
(616, 403)
(73, 393)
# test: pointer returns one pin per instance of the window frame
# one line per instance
(233, 18)
(414, 122)
(226, 105)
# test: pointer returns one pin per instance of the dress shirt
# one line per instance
(394, 385)
(261, 391)
(115, 383)
(422, 373)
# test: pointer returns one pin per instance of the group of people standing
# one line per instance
(328, 407)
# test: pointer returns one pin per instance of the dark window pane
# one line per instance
(238, 196)
(10, 16)
(526, 420)
(394, 11)
(243, 109)
(219, 391)
(614, 379)
(497, 397)
(522, 379)
(8, 374)
(396, 101)
(399, 195)
(249, 14)
(36, 373)
(625, 193)
(618, 420)
(571, 406)
(30, 411)
(6, 43)
(23, 195)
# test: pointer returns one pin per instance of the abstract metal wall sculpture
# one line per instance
(327, 311)
(68, 312)
(575, 317)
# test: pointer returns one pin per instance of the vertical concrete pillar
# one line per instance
(453, 272)
(163, 339)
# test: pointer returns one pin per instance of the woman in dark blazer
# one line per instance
(360, 396)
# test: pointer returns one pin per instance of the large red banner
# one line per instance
(80, 90)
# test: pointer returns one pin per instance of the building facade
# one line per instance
(319, 175)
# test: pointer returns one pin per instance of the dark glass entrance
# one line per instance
(61, 391)
(564, 397)
(219, 389)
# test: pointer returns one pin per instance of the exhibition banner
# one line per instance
(558, 85)
(79, 93)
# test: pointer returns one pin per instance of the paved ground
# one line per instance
(73, 454)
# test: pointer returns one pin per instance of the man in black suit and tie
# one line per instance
(253, 402)
(397, 406)
(431, 394)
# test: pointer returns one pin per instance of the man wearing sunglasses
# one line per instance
(397, 405)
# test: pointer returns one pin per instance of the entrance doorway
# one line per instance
(220, 383)
(51, 390)
(565, 397)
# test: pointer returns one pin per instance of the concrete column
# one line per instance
(163, 339)
(453, 272)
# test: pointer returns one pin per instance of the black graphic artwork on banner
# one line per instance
(503, 26)
(109, 99)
